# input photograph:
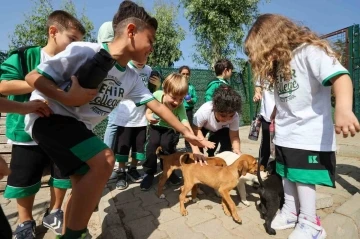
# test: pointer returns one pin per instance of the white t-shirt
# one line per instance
(304, 118)
(205, 118)
(120, 83)
(126, 114)
(268, 100)
(43, 57)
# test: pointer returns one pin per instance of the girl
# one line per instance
(220, 117)
(302, 67)
(189, 100)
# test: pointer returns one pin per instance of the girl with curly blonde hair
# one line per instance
(301, 66)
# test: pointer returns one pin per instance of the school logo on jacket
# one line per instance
(108, 97)
(286, 88)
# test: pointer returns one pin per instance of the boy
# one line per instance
(160, 133)
(126, 128)
(19, 108)
(28, 160)
(66, 135)
(223, 70)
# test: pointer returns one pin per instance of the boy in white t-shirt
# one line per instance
(302, 66)
(220, 118)
(66, 136)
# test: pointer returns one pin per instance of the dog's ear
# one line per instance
(243, 167)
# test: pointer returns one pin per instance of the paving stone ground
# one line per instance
(134, 214)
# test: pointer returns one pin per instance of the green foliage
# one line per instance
(33, 32)
(168, 36)
(3, 56)
(219, 27)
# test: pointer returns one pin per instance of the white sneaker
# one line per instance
(283, 220)
(307, 230)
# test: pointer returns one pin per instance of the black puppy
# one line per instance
(271, 193)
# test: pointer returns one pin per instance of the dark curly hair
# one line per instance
(226, 100)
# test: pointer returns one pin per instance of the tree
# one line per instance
(168, 36)
(219, 27)
(33, 31)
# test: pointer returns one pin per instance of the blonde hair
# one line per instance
(271, 41)
(175, 84)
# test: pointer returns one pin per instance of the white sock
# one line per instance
(291, 204)
(307, 198)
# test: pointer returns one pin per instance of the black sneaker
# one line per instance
(54, 221)
(174, 179)
(147, 181)
(122, 183)
(25, 230)
(134, 175)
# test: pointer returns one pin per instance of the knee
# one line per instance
(103, 162)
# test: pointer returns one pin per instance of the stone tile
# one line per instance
(351, 209)
(213, 229)
(133, 211)
(121, 197)
(323, 200)
(177, 229)
(197, 216)
(157, 234)
(149, 198)
(113, 232)
(162, 212)
(344, 227)
(142, 227)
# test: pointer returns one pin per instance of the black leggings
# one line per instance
(264, 151)
(221, 136)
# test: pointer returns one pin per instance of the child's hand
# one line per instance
(346, 121)
(39, 107)
(237, 151)
(199, 157)
(257, 97)
(4, 170)
(151, 119)
(194, 140)
(78, 95)
(155, 80)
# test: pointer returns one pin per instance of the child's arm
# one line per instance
(76, 96)
(15, 87)
(163, 112)
(149, 116)
(4, 170)
(345, 120)
(36, 106)
(235, 141)
(195, 149)
(257, 95)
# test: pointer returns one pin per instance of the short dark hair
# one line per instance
(130, 12)
(226, 100)
(221, 65)
(184, 67)
(64, 20)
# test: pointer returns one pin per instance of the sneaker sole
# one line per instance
(284, 227)
(51, 228)
(134, 180)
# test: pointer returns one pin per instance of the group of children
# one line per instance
(57, 129)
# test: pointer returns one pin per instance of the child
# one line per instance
(160, 133)
(66, 136)
(126, 128)
(265, 92)
(220, 118)
(29, 160)
(131, 130)
(302, 66)
(223, 70)
(190, 99)
(19, 108)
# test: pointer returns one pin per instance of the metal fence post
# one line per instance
(355, 58)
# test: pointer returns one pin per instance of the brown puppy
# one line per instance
(172, 162)
(222, 179)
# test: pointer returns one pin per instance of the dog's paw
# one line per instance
(184, 212)
(195, 200)
(238, 221)
(162, 196)
(271, 231)
(199, 191)
(245, 202)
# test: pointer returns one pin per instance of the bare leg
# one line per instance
(25, 206)
(57, 196)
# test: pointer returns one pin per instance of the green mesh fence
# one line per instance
(200, 78)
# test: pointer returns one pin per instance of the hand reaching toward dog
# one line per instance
(237, 151)
(200, 158)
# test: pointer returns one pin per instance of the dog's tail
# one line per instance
(158, 151)
(258, 174)
(185, 159)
